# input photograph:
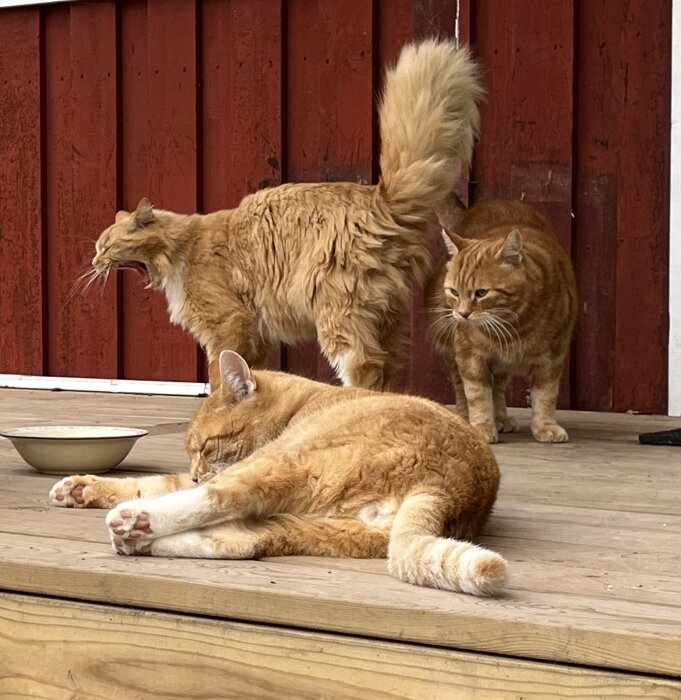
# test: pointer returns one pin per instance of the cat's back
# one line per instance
(494, 219)
(385, 421)
(486, 218)
(300, 202)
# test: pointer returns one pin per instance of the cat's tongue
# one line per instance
(142, 270)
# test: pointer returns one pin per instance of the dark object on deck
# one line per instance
(662, 437)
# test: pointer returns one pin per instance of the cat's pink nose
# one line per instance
(465, 314)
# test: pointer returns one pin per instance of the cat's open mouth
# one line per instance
(141, 269)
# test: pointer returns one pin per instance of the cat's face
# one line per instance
(484, 279)
(226, 427)
(131, 242)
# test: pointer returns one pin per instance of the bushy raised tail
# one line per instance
(428, 120)
(417, 554)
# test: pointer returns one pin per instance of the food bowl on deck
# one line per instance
(68, 449)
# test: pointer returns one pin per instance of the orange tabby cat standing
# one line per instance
(330, 261)
(293, 466)
(503, 303)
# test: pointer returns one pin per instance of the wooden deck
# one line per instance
(591, 529)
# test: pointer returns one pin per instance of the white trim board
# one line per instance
(674, 360)
(20, 3)
(111, 386)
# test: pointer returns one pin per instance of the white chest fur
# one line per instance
(174, 288)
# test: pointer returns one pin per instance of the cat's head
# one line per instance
(134, 241)
(484, 278)
(229, 424)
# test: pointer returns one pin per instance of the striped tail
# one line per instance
(417, 554)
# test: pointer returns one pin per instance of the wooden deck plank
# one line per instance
(525, 623)
(99, 651)
(591, 529)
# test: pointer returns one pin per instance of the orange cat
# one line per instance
(292, 466)
(504, 302)
(328, 261)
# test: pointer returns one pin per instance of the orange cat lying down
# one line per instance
(287, 465)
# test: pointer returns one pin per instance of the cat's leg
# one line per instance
(504, 423)
(544, 384)
(395, 344)
(478, 387)
(254, 489)
(357, 367)
(278, 535)
(351, 340)
(457, 383)
(88, 491)
(237, 330)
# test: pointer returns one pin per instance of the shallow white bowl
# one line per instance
(69, 449)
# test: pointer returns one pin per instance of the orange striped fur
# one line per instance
(286, 465)
(503, 302)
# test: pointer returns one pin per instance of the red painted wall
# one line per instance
(195, 103)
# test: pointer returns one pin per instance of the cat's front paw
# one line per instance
(507, 425)
(130, 529)
(549, 432)
(82, 492)
(488, 431)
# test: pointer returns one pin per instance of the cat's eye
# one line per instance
(480, 293)
(452, 291)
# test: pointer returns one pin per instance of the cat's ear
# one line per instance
(144, 214)
(511, 252)
(453, 241)
(237, 379)
(121, 215)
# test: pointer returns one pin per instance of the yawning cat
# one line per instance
(504, 302)
(292, 466)
(329, 261)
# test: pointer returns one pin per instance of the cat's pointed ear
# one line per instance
(453, 241)
(511, 252)
(121, 215)
(144, 214)
(237, 380)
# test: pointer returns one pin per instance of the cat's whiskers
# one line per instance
(82, 283)
(501, 311)
(490, 323)
(509, 338)
(510, 328)
(444, 325)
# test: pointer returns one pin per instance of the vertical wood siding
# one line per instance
(195, 103)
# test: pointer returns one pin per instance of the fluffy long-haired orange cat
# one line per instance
(329, 261)
(287, 465)
(503, 302)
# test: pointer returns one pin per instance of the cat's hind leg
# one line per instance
(352, 342)
(88, 491)
(355, 368)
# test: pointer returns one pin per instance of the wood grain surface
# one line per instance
(61, 649)
(591, 530)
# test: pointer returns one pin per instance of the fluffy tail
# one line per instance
(429, 120)
(416, 554)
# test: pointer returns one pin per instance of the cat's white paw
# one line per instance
(507, 425)
(67, 494)
(488, 431)
(82, 492)
(130, 528)
(549, 432)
